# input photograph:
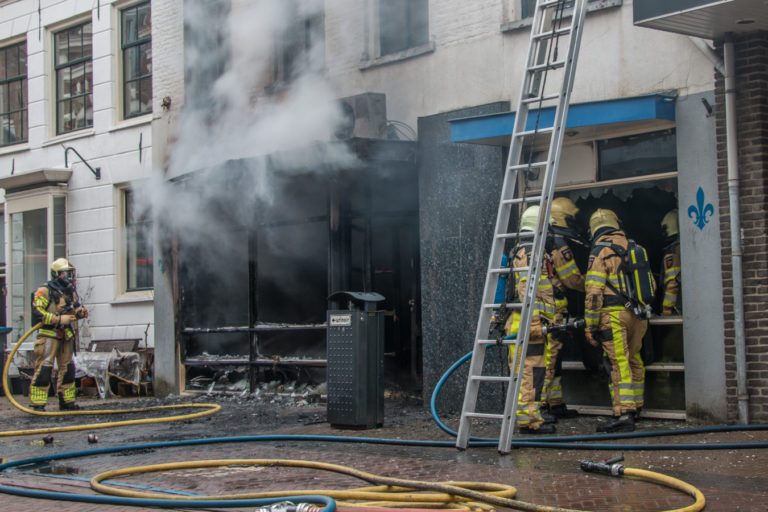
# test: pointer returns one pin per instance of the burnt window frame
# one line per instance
(87, 62)
(7, 81)
(128, 45)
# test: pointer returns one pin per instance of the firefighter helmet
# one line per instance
(670, 223)
(530, 218)
(602, 218)
(61, 265)
(563, 212)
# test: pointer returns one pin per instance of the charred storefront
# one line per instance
(251, 293)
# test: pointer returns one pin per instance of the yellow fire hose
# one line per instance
(388, 492)
(208, 409)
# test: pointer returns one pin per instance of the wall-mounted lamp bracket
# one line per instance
(96, 172)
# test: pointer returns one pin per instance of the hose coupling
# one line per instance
(609, 467)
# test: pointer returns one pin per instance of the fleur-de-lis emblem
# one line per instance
(701, 212)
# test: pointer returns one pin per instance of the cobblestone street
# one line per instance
(730, 480)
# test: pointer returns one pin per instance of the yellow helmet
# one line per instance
(530, 218)
(670, 223)
(602, 218)
(61, 265)
(562, 209)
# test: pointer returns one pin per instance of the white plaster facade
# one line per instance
(93, 207)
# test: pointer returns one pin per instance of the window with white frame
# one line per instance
(13, 94)
(73, 64)
(403, 24)
(136, 44)
(527, 7)
(299, 47)
(137, 245)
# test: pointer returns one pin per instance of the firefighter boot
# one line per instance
(624, 423)
(38, 408)
(561, 411)
(549, 418)
(67, 406)
(544, 429)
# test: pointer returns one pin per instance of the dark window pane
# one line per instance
(146, 95)
(418, 25)
(132, 104)
(78, 113)
(87, 40)
(23, 59)
(88, 78)
(62, 47)
(145, 59)
(403, 24)
(25, 124)
(12, 61)
(145, 21)
(78, 79)
(63, 83)
(129, 25)
(64, 117)
(2, 63)
(138, 245)
(131, 56)
(15, 95)
(4, 130)
(4, 106)
(15, 129)
(637, 155)
(89, 110)
(75, 43)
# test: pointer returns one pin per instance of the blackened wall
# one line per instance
(459, 190)
(752, 128)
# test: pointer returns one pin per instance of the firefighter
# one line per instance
(566, 275)
(56, 304)
(671, 266)
(529, 418)
(611, 324)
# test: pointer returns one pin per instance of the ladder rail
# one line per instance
(537, 64)
(548, 190)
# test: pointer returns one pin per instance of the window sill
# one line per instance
(512, 26)
(391, 58)
(86, 132)
(134, 297)
(15, 148)
(132, 123)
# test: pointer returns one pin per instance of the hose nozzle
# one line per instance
(607, 467)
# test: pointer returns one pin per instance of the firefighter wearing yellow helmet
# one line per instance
(671, 264)
(609, 323)
(529, 417)
(57, 308)
(565, 275)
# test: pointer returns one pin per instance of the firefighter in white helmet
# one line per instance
(566, 276)
(57, 308)
(671, 264)
(529, 417)
(609, 323)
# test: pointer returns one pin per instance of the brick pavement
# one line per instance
(731, 480)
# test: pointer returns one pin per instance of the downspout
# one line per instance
(736, 245)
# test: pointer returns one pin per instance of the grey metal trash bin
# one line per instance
(355, 360)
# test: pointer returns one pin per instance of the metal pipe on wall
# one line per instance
(735, 220)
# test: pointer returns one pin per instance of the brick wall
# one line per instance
(752, 119)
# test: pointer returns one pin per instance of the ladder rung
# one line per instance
(547, 65)
(513, 305)
(537, 99)
(507, 270)
(522, 167)
(489, 378)
(540, 131)
(519, 234)
(549, 34)
(549, 3)
(494, 342)
(518, 200)
(484, 415)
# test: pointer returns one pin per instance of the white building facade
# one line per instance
(75, 117)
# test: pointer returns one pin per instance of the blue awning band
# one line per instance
(623, 110)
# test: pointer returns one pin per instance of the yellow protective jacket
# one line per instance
(544, 304)
(51, 311)
(566, 273)
(603, 268)
(671, 277)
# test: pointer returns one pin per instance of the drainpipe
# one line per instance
(736, 246)
(709, 53)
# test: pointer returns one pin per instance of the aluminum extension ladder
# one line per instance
(553, 21)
